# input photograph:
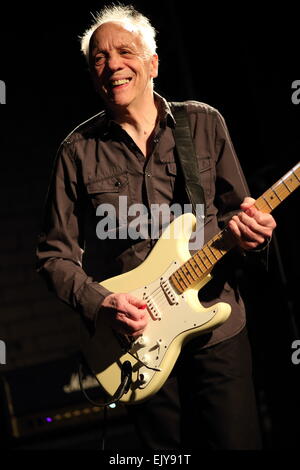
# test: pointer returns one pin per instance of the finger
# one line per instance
(249, 230)
(261, 224)
(134, 308)
(248, 201)
(139, 303)
(265, 220)
(127, 325)
(133, 312)
(248, 204)
(244, 239)
(234, 228)
(236, 232)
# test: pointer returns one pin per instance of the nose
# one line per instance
(114, 62)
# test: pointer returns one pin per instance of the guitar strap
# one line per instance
(187, 157)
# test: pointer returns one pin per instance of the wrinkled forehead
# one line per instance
(114, 35)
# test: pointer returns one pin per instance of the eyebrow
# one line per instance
(120, 46)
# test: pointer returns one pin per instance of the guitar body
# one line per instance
(174, 318)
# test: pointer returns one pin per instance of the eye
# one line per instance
(125, 52)
(100, 59)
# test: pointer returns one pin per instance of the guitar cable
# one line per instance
(126, 378)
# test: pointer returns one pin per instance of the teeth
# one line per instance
(120, 82)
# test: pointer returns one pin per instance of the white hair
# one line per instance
(127, 15)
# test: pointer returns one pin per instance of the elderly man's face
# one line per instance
(121, 68)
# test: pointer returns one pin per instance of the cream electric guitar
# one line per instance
(168, 281)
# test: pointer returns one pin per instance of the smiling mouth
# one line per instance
(122, 81)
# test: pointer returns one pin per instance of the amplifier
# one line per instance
(47, 396)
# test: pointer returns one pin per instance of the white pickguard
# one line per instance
(167, 321)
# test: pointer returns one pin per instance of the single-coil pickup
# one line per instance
(152, 308)
(169, 292)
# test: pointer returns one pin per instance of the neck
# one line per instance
(138, 119)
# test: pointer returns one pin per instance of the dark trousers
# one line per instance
(208, 402)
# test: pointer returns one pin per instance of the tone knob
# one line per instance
(145, 359)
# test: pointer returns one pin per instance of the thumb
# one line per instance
(137, 302)
(248, 206)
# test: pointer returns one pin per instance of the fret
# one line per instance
(272, 197)
(282, 190)
(187, 273)
(223, 252)
(217, 254)
(277, 195)
(209, 254)
(267, 202)
(292, 182)
(223, 241)
(177, 276)
(288, 189)
(182, 277)
(204, 259)
(191, 270)
(195, 267)
(199, 262)
(261, 205)
(176, 284)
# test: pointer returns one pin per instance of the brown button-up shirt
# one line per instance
(99, 163)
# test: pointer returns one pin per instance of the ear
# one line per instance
(154, 66)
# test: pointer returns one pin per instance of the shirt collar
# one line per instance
(165, 114)
(166, 117)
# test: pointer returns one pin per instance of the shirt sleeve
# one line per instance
(61, 241)
(231, 186)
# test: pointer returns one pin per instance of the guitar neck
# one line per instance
(202, 262)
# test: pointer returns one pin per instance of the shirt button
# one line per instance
(148, 174)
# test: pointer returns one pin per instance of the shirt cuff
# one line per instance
(90, 299)
(262, 247)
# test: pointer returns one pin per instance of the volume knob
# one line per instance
(142, 341)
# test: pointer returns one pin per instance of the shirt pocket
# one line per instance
(108, 190)
(206, 174)
(171, 170)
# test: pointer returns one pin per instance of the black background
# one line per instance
(241, 60)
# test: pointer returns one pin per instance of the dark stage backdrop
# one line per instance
(242, 61)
